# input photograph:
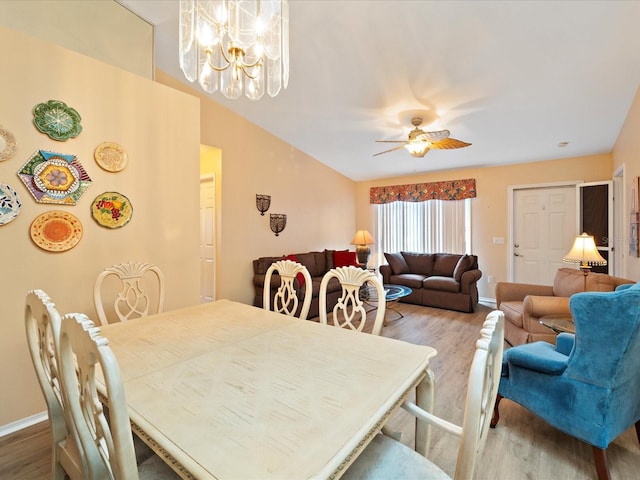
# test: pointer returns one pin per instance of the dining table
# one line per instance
(225, 390)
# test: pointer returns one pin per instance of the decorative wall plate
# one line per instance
(111, 156)
(54, 177)
(56, 231)
(111, 210)
(57, 120)
(10, 204)
(7, 144)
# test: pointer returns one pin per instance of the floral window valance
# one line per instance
(421, 192)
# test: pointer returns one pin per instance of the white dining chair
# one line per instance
(350, 311)
(42, 323)
(286, 300)
(107, 443)
(385, 458)
(133, 300)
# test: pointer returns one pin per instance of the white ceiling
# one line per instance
(513, 78)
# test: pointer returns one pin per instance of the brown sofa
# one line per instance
(524, 304)
(318, 263)
(440, 280)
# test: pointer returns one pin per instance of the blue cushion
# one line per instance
(539, 356)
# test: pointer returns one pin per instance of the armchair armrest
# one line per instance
(515, 292)
(537, 356)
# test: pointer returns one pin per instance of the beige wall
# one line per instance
(158, 127)
(626, 155)
(318, 201)
(489, 208)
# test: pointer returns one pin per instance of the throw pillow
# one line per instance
(462, 266)
(344, 258)
(299, 276)
(397, 263)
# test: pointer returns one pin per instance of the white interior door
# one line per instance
(207, 238)
(544, 226)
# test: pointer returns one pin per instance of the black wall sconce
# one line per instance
(278, 222)
(263, 202)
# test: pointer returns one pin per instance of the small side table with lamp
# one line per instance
(362, 239)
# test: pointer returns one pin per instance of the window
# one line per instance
(431, 227)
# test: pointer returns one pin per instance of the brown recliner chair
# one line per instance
(524, 304)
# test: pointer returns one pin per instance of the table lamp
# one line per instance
(362, 239)
(585, 253)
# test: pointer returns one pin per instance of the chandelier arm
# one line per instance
(246, 72)
(214, 67)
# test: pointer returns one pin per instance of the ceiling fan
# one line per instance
(420, 142)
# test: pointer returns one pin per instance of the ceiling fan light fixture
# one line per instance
(418, 149)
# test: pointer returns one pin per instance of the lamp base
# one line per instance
(585, 271)
(362, 253)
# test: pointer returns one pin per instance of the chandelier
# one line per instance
(235, 46)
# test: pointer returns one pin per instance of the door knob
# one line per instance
(516, 245)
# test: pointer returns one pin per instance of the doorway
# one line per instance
(542, 232)
(210, 185)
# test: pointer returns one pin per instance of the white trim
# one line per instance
(23, 423)
(488, 301)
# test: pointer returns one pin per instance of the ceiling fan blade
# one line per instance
(390, 150)
(391, 141)
(436, 136)
(449, 143)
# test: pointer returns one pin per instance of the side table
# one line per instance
(559, 323)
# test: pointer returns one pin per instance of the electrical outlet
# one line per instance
(490, 279)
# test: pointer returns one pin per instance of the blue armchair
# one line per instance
(587, 385)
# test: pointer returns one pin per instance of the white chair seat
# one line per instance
(386, 459)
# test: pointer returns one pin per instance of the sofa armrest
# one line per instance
(385, 271)
(469, 279)
(539, 306)
(515, 292)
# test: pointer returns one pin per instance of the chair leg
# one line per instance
(638, 430)
(496, 413)
(600, 456)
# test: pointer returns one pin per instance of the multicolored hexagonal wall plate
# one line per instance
(54, 177)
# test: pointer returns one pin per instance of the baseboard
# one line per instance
(489, 302)
(23, 423)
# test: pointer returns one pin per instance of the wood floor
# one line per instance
(522, 447)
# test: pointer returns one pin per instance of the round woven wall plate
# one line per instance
(111, 156)
(56, 231)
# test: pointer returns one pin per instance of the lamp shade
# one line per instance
(362, 237)
(584, 252)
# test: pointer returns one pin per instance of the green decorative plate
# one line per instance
(57, 120)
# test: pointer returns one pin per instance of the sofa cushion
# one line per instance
(344, 258)
(465, 263)
(420, 263)
(444, 264)
(314, 261)
(265, 262)
(444, 284)
(410, 280)
(570, 280)
(397, 263)
(328, 259)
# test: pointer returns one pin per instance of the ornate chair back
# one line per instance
(349, 311)
(42, 324)
(133, 300)
(286, 300)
